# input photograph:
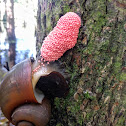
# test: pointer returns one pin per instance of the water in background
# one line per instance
(25, 23)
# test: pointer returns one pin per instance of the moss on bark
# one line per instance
(97, 64)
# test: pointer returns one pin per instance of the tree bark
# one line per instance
(97, 64)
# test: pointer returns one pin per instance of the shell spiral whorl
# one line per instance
(32, 114)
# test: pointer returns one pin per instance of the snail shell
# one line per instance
(38, 114)
(16, 88)
(22, 91)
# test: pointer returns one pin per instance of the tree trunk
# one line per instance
(97, 64)
(11, 31)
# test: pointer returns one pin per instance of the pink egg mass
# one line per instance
(62, 38)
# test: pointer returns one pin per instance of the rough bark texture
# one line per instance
(97, 64)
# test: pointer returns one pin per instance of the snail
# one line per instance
(24, 94)
(26, 88)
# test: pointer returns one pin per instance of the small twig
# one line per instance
(7, 66)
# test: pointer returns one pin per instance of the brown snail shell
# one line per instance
(38, 114)
(18, 88)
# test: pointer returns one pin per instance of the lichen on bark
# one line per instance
(96, 65)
